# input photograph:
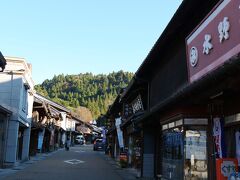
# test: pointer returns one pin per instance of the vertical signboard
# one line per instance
(118, 122)
(40, 139)
(137, 105)
(225, 167)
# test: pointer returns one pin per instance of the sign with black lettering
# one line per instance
(137, 105)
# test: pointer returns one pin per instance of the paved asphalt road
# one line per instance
(86, 164)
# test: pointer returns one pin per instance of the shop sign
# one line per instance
(218, 135)
(234, 176)
(237, 140)
(137, 105)
(225, 167)
(118, 122)
(40, 139)
(215, 40)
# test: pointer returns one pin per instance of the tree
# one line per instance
(95, 92)
(83, 113)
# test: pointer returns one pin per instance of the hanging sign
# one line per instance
(237, 136)
(215, 40)
(234, 176)
(40, 139)
(118, 122)
(137, 105)
(218, 134)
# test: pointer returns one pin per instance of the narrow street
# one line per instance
(81, 162)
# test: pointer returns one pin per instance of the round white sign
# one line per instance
(193, 56)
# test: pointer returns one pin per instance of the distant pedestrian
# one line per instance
(67, 144)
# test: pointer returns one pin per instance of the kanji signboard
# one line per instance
(225, 167)
(215, 40)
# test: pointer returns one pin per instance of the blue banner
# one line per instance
(40, 139)
(218, 133)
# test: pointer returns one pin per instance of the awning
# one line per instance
(4, 110)
(54, 112)
(83, 129)
(2, 62)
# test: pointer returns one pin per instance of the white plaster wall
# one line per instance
(11, 97)
(10, 92)
(64, 119)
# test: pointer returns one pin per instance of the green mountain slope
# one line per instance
(95, 92)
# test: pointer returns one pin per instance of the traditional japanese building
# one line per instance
(51, 124)
(112, 114)
(16, 95)
(135, 105)
(84, 128)
(191, 123)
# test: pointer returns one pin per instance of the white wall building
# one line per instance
(68, 125)
(16, 95)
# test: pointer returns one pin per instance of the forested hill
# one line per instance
(95, 92)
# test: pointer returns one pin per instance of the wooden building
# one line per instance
(51, 124)
(190, 90)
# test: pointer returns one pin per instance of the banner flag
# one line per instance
(119, 132)
(237, 136)
(218, 133)
(40, 139)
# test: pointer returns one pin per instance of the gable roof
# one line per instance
(57, 106)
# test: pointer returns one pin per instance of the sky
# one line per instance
(76, 36)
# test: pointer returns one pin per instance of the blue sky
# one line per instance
(74, 36)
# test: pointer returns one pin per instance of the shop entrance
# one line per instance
(172, 154)
(195, 152)
(183, 150)
(20, 143)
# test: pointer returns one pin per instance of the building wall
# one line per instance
(12, 135)
(170, 76)
(3, 126)
(148, 152)
(16, 88)
(10, 89)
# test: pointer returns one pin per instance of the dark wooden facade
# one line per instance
(176, 107)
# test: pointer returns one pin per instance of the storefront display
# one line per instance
(195, 164)
(172, 154)
(184, 149)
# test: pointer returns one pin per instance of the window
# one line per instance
(172, 154)
(195, 164)
(25, 99)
